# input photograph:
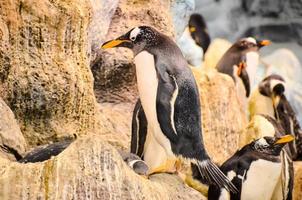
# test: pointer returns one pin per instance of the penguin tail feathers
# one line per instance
(213, 175)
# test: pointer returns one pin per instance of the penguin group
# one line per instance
(166, 121)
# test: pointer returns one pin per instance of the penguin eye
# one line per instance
(132, 38)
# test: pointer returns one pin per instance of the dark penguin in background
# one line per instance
(170, 101)
(255, 170)
(199, 31)
(241, 61)
(269, 99)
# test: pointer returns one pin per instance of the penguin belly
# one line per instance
(252, 61)
(147, 82)
(261, 179)
(151, 145)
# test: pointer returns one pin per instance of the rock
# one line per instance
(114, 71)
(190, 50)
(215, 51)
(11, 137)
(223, 120)
(297, 193)
(88, 168)
(276, 20)
(181, 12)
(44, 68)
(269, 8)
(102, 13)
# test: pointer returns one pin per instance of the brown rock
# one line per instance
(89, 168)
(44, 70)
(11, 138)
(223, 120)
(297, 193)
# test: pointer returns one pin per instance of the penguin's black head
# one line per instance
(251, 43)
(137, 39)
(196, 22)
(273, 87)
(271, 145)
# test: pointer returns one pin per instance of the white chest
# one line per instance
(147, 83)
(252, 60)
(262, 178)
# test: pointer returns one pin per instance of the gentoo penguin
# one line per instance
(255, 170)
(170, 100)
(269, 99)
(241, 60)
(199, 31)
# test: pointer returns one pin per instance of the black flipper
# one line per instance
(139, 130)
(43, 153)
(246, 81)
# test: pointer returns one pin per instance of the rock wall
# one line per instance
(79, 172)
(223, 120)
(44, 68)
(277, 20)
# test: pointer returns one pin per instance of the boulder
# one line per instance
(215, 52)
(223, 120)
(11, 137)
(88, 169)
(297, 193)
(44, 68)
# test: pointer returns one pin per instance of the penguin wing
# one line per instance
(139, 129)
(291, 125)
(246, 81)
(167, 92)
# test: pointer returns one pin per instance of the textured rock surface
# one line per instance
(44, 70)
(102, 12)
(88, 169)
(256, 17)
(222, 119)
(114, 70)
(10, 133)
(215, 51)
(297, 194)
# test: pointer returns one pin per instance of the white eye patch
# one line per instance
(251, 40)
(134, 33)
(262, 142)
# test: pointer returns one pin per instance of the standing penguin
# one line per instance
(256, 170)
(269, 99)
(170, 100)
(241, 61)
(199, 31)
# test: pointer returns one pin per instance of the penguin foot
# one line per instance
(170, 166)
(195, 184)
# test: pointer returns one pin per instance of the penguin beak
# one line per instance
(114, 43)
(192, 29)
(263, 43)
(285, 139)
(276, 100)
